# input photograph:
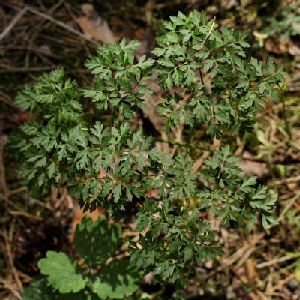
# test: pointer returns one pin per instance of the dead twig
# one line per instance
(281, 283)
(3, 185)
(59, 23)
(288, 180)
(26, 70)
(10, 262)
(8, 284)
(238, 255)
(289, 205)
(40, 27)
(8, 101)
(11, 25)
(274, 261)
(25, 214)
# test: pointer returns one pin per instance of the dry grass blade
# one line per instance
(3, 184)
(10, 264)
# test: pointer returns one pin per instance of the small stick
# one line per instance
(274, 261)
(59, 23)
(3, 185)
(287, 180)
(25, 70)
(10, 261)
(288, 206)
(7, 30)
(282, 283)
(6, 99)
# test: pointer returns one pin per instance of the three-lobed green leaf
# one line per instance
(62, 272)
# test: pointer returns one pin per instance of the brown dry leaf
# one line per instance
(278, 46)
(293, 82)
(153, 116)
(151, 103)
(294, 49)
(141, 35)
(282, 46)
(249, 166)
(94, 26)
(102, 174)
(292, 186)
(228, 4)
(199, 162)
(152, 194)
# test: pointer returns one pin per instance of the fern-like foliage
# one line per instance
(209, 87)
(222, 86)
(119, 79)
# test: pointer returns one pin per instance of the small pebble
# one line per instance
(209, 264)
(293, 284)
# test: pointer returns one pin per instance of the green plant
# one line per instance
(88, 140)
(296, 264)
(99, 277)
(285, 21)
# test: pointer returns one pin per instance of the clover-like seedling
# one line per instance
(96, 242)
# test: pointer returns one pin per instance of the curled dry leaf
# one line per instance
(94, 26)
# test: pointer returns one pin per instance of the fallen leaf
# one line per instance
(278, 46)
(94, 26)
(249, 166)
(294, 49)
(282, 46)
(228, 4)
(152, 194)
